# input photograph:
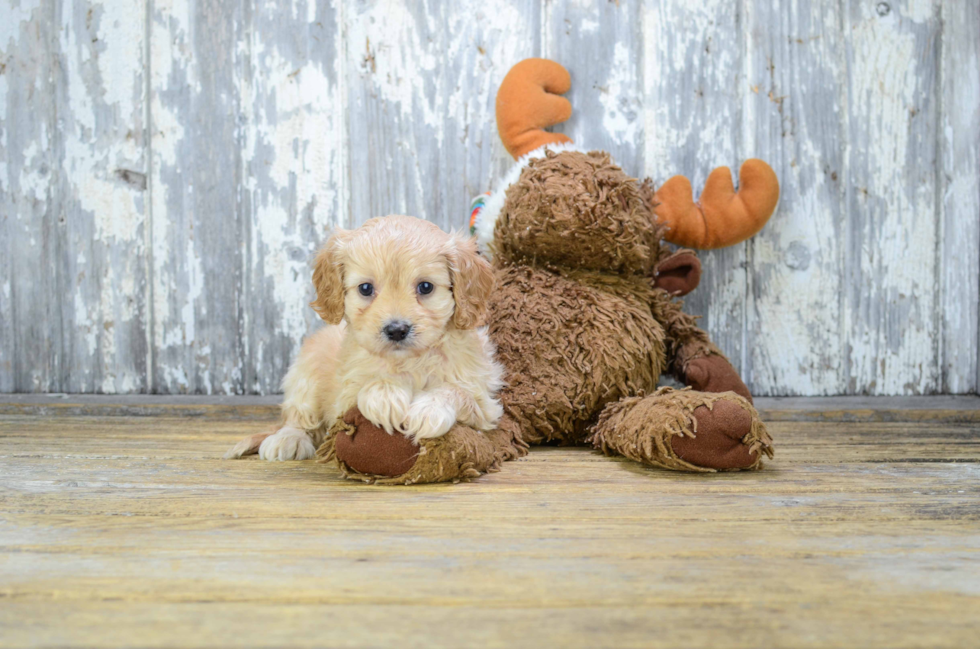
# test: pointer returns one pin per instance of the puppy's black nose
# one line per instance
(397, 331)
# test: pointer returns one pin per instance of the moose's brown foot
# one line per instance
(718, 442)
(365, 452)
(685, 430)
(369, 450)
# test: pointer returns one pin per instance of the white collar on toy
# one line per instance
(485, 208)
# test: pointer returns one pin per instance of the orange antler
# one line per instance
(722, 217)
(528, 101)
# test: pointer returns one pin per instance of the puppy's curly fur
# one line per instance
(404, 302)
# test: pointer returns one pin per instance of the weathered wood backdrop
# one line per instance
(167, 168)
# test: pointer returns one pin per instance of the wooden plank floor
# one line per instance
(130, 532)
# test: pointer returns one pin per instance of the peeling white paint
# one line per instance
(892, 327)
(619, 99)
(91, 157)
(396, 59)
(413, 87)
(794, 316)
(295, 150)
(32, 180)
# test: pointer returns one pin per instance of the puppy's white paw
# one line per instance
(384, 405)
(287, 444)
(428, 416)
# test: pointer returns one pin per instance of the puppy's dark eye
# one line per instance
(425, 288)
(367, 290)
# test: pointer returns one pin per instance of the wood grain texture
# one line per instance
(296, 176)
(30, 232)
(793, 109)
(938, 409)
(891, 307)
(129, 531)
(959, 263)
(694, 82)
(422, 81)
(101, 108)
(601, 44)
(198, 51)
(74, 199)
(167, 168)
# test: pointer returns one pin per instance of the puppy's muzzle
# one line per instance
(397, 331)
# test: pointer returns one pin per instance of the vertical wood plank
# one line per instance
(960, 186)
(484, 40)
(793, 120)
(198, 52)
(73, 295)
(100, 106)
(396, 111)
(890, 281)
(601, 44)
(693, 77)
(421, 84)
(30, 231)
(296, 177)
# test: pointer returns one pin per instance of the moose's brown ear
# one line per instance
(679, 274)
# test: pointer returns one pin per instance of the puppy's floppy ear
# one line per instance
(328, 278)
(472, 278)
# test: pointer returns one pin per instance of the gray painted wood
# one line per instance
(601, 44)
(921, 409)
(891, 317)
(421, 82)
(30, 324)
(793, 118)
(198, 67)
(296, 176)
(101, 109)
(959, 264)
(74, 193)
(168, 168)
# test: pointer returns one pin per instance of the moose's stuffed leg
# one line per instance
(365, 452)
(691, 356)
(684, 430)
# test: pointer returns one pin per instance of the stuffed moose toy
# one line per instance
(584, 315)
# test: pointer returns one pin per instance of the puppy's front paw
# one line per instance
(287, 444)
(248, 446)
(384, 405)
(428, 416)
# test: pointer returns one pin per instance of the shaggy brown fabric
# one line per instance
(571, 341)
(577, 210)
(460, 454)
(643, 428)
(684, 339)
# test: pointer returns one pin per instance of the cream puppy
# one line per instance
(403, 301)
